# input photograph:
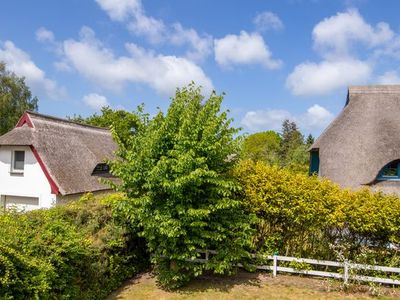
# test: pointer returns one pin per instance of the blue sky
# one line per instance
(274, 59)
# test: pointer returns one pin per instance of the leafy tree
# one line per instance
(182, 196)
(291, 138)
(294, 153)
(310, 140)
(122, 121)
(15, 98)
(263, 146)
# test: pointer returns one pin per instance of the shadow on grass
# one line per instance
(248, 286)
(207, 284)
(219, 283)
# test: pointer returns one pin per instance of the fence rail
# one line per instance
(348, 269)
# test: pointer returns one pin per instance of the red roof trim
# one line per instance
(25, 119)
(54, 188)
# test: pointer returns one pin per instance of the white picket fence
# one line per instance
(349, 270)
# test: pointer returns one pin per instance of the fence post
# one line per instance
(346, 272)
(275, 268)
(207, 255)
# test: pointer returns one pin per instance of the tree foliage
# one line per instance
(286, 149)
(293, 149)
(123, 122)
(292, 138)
(182, 197)
(15, 98)
(262, 146)
(310, 140)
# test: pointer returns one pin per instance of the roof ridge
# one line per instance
(383, 88)
(65, 120)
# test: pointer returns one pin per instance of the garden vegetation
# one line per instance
(182, 196)
(303, 216)
(288, 149)
(75, 251)
(188, 182)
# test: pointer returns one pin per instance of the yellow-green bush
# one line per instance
(76, 251)
(312, 217)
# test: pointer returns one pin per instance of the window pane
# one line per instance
(101, 169)
(19, 159)
(390, 170)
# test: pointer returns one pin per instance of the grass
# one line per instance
(250, 286)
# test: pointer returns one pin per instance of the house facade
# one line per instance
(45, 161)
(361, 147)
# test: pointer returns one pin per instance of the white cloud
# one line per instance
(62, 66)
(265, 119)
(200, 47)
(21, 64)
(47, 37)
(340, 40)
(132, 12)
(392, 49)
(320, 78)
(162, 73)
(44, 35)
(244, 49)
(95, 101)
(390, 77)
(335, 35)
(152, 29)
(316, 118)
(120, 10)
(267, 20)
(155, 30)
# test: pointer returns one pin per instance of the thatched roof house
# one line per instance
(361, 147)
(70, 156)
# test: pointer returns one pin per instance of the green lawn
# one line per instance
(250, 286)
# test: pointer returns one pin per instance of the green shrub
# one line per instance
(76, 251)
(307, 216)
(182, 197)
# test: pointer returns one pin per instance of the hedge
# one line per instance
(80, 251)
(76, 251)
(312, 217)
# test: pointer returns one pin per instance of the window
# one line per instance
(390, 172)
(314, 162)
(18, 161)
(101, 168)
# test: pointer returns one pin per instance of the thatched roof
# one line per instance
(19, 136)
(69, 151)
(363, 138)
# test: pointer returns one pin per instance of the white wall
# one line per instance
(32, 183)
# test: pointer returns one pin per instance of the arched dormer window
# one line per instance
(101, 169)
(390, 172)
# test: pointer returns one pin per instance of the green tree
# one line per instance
(310, 140)
(263, 146)
(122, 121)
(294, 154)
(15, 98)
(182, 196)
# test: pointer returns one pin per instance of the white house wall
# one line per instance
(31, 184)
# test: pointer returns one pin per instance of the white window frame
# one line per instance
(13, 170)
